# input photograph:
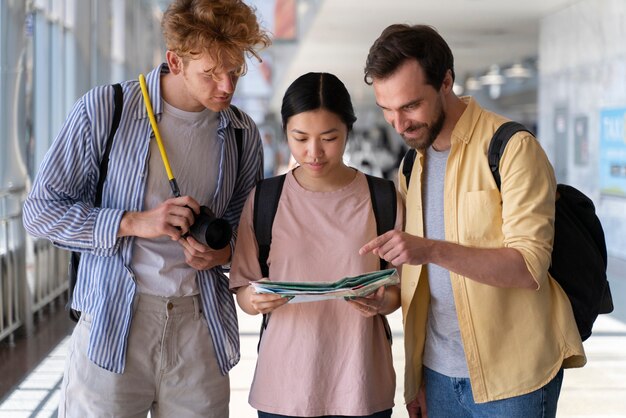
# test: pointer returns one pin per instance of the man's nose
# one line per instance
(226, 84)
(400, 122)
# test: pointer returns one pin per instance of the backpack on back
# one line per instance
(579, 257)
(267, 197)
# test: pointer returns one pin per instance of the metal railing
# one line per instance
(49, 274)
(10, 318)
(33, 273)
(11, 262)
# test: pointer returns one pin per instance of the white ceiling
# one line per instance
(480, 33)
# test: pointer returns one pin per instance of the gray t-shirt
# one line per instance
(190, 139)
(443, 352)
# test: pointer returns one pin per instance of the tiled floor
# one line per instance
(22, 356)
(31, 369)
(38, 394)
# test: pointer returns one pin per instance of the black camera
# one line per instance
(210, 230)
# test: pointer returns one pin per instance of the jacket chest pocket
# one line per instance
(481, 218)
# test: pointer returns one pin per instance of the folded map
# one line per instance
(356, 286)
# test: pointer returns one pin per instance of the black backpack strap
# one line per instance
(118, 98)
(385, 207)
(266, 200)
(238, 137)
(384, 204)
(407, 165)
(498, 143)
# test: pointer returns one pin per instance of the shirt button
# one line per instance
(170, 306)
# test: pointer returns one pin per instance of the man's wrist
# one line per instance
(126, 224)
(226, 266)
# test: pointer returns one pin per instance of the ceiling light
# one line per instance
(493, 77)
(518, 71)
(457, 89)
(473, 84)
(495, 90)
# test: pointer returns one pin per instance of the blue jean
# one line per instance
(381, 414)
(452, 397)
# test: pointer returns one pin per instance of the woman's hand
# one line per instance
(371, 304)
(255, 303)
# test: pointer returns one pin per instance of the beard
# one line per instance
(432, 132)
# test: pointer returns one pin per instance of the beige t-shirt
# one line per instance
(194, 153)
(318, 358)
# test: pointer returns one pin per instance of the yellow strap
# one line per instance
(155, 128)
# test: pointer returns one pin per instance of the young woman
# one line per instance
(327, 358)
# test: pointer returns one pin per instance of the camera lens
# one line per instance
(210, 230)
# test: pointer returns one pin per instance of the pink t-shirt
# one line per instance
(318, 358)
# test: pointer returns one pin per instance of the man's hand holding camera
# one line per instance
(202, 257)
(174, 218)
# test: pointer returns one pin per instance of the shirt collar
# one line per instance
(228, 116)
(466, 124)
(153, 82)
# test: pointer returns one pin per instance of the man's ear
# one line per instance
(448, 82)
(174, 62)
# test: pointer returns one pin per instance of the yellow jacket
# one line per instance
(515, 340)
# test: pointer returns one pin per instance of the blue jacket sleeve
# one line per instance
(60, 206)
(250, 172)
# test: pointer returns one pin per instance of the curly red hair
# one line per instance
(226, 30)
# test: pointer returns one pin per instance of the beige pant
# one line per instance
(171, 368)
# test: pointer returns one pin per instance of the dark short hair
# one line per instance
(314, 91)
(398, 43)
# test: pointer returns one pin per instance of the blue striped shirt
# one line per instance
(60, 207)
